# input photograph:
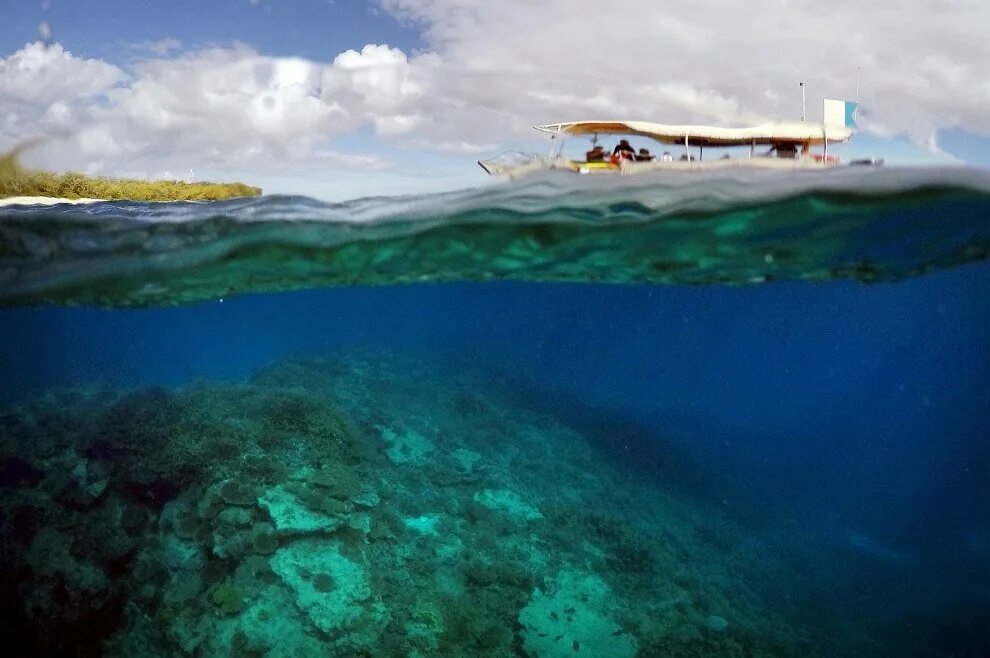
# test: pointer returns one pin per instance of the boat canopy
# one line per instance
(766, 134)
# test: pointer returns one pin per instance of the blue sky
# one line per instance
(349, 98)
(315, 29)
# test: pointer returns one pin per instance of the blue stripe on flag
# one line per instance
(850, 112)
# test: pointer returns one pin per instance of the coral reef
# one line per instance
(357, 504)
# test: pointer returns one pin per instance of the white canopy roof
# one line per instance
(768, 133)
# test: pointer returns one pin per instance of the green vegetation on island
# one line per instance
(17, 180)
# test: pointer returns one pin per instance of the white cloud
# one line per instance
(378, 85)
(45, 74)
(213, 107)
(59, 114)
(517, 62)
(218, 106)
(226, 104)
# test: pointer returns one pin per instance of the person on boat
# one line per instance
(624, 150)
(597, 154)
(667, 157)
(644, 156)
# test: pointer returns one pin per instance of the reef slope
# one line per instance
(366, 504)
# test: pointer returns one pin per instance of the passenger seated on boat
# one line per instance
(624, 150)
(596, 154)
(667, 157)
(644, 156)
(788, 151)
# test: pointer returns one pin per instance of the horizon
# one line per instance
(345, 100)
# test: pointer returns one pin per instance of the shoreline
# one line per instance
(42, 201)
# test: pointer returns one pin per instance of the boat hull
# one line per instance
(626, 167)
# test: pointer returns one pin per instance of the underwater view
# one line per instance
(739, 415)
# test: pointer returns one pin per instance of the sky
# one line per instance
(338, 99)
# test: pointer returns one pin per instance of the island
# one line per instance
(19, 184)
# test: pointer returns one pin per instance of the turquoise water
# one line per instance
(750, 227)
(668, 417)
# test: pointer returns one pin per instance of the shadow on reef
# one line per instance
(366, 504)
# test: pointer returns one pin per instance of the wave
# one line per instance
(744, 227)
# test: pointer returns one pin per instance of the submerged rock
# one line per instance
(424, 525)
(366, 498)
(571, 616)
(256, 537)
(291, 516)
(508, 503)
(408, 447)
(332, 590)
(235, 493)
(465, 459)
(716, 623)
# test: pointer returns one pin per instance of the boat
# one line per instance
(775, 146)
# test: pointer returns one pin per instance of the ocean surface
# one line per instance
(573, 416)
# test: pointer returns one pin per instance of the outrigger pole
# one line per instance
(553, 143)
(824, 136)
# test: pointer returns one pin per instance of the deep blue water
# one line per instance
(842, 424)
(838, 407)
